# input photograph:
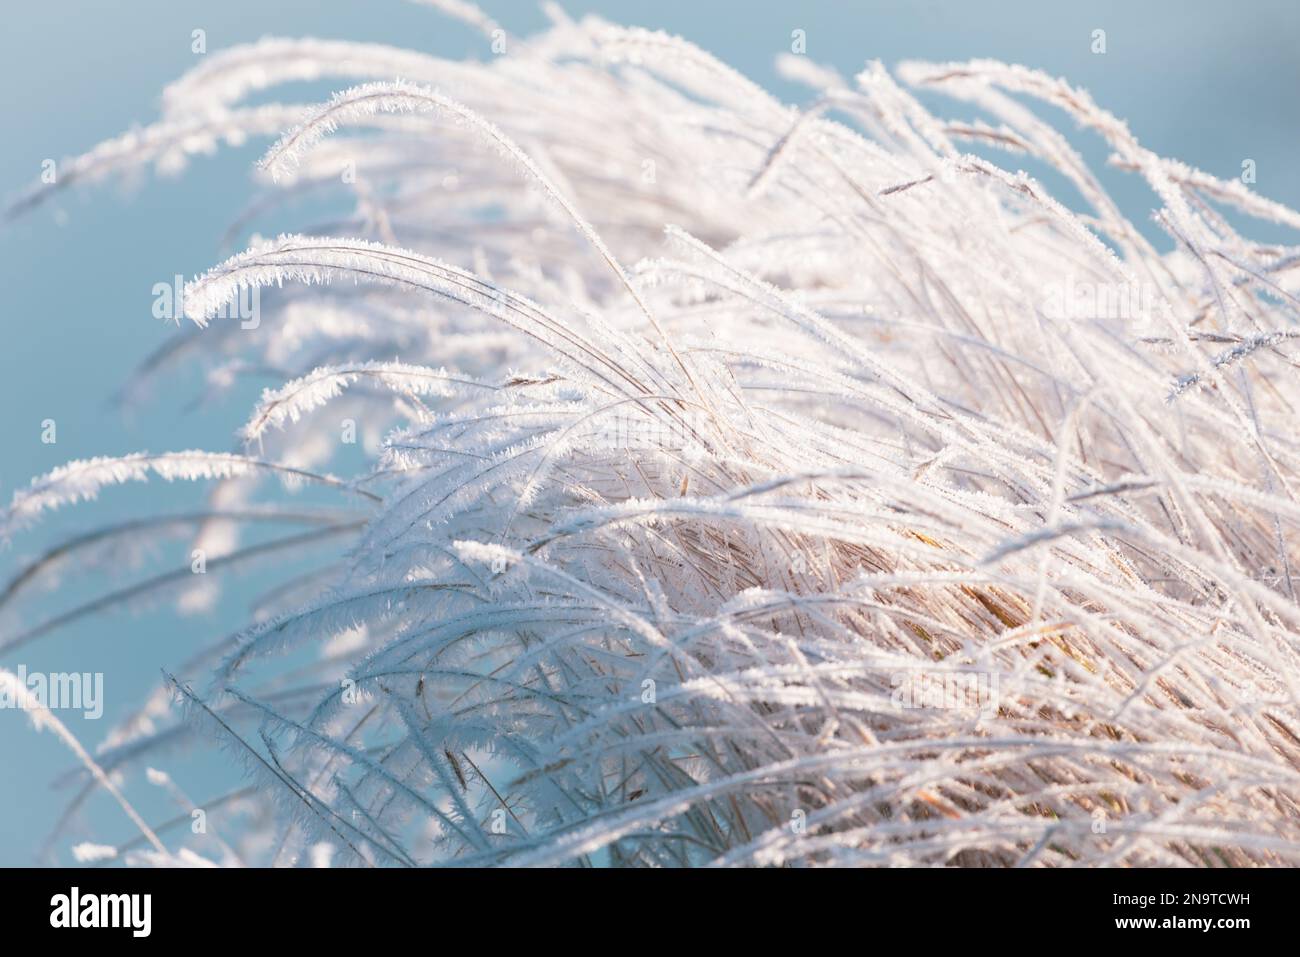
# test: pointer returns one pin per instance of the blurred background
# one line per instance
(1211, 83)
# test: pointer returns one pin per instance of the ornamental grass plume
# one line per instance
(756, 486)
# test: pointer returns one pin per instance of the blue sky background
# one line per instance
(1212, 83)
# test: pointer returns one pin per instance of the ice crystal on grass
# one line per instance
(755, 485)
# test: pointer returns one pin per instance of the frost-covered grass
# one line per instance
(717, 438)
